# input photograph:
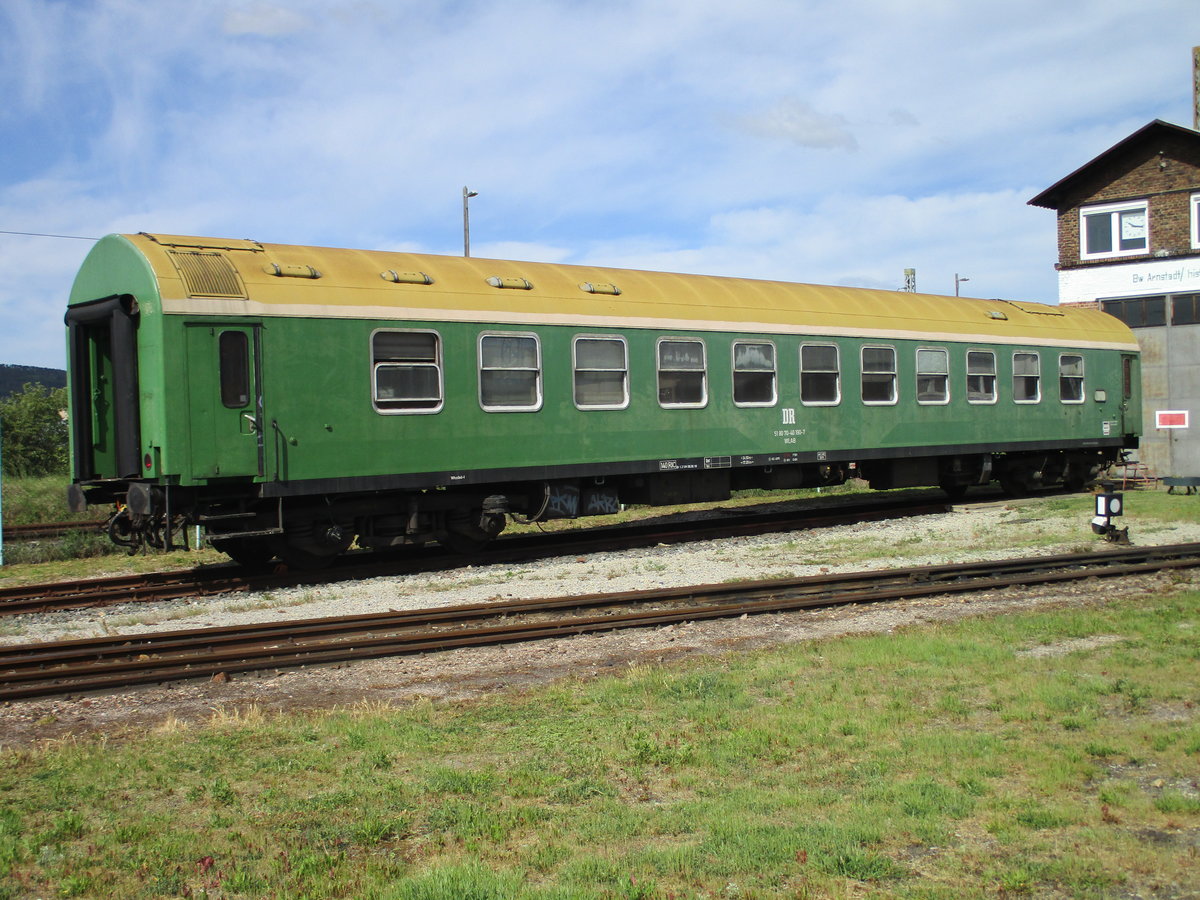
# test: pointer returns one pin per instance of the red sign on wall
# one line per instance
(1170, 418)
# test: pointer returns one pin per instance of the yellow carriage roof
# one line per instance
(242, 277)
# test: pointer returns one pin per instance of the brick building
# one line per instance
(1129, 242)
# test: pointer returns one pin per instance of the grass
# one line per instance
(937, 762)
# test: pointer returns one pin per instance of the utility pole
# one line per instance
(467, 195)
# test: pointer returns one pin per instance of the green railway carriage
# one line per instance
(296, 399)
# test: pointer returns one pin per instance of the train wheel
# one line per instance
(954, 491)
(249, 553)
(466, 544)
(303, 559)
(1014, 484)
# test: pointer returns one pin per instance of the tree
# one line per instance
(34, 431)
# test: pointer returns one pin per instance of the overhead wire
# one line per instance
(69, 237)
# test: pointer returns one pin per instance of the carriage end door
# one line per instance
(226, 404)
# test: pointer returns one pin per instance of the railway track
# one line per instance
(108, 663)
(48, 530)
(224, 579)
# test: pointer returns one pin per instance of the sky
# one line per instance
(823, 141)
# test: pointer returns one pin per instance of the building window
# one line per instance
(406, 371)
(933, 376)
(510, 373)
(1185, 309)
(981, 376)
(1138, 312)
(1070, 378)
(1116, 229)
(1195, 207)
(1027, 380)
(820, 383)
(878, 376)
(601, 373)
(753, 373)
(681, 374)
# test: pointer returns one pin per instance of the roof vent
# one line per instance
(207, 274)
(281, 271)
(516, 284)
(406, 277)
(596, 288)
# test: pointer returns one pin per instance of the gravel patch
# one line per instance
(976, 532)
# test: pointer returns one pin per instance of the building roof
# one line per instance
(1051, 197)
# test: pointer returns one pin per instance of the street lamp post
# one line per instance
(467, 195)
(957, 281)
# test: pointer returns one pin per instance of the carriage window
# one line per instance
(820, 384)
(933, 376)
(1070, 378)
(510, 373)
(981, 376)
(753, 373)
(1027, 371)
(601, 373)
(233, 350)
(878, 376)
(681, 374)
(407, 371)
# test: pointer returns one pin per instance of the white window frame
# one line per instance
(1194, 205)
(480, 369)
(1082, 377)
(894, 372)
(945, 354)
(995, 379)
(575, 370)
(837, 374)
(1114, 211)
(437, 364)
(774, 373)
(1037, 356)
(703, 370)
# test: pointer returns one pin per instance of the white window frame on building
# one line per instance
(1123, 229)
(1194, 206)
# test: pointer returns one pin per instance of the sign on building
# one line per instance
(1170, 418)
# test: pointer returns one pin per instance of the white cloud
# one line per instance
(796, 121)
(263, 20)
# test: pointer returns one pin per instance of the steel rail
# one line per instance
(225, 579)
(49, 529)
(122, 661)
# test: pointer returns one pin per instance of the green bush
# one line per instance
(34, 431)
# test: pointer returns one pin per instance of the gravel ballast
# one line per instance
(974, 532)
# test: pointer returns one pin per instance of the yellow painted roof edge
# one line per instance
(350, 285)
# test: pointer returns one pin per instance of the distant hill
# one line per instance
(13, 378)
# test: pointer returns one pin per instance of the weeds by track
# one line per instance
(106, 663)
